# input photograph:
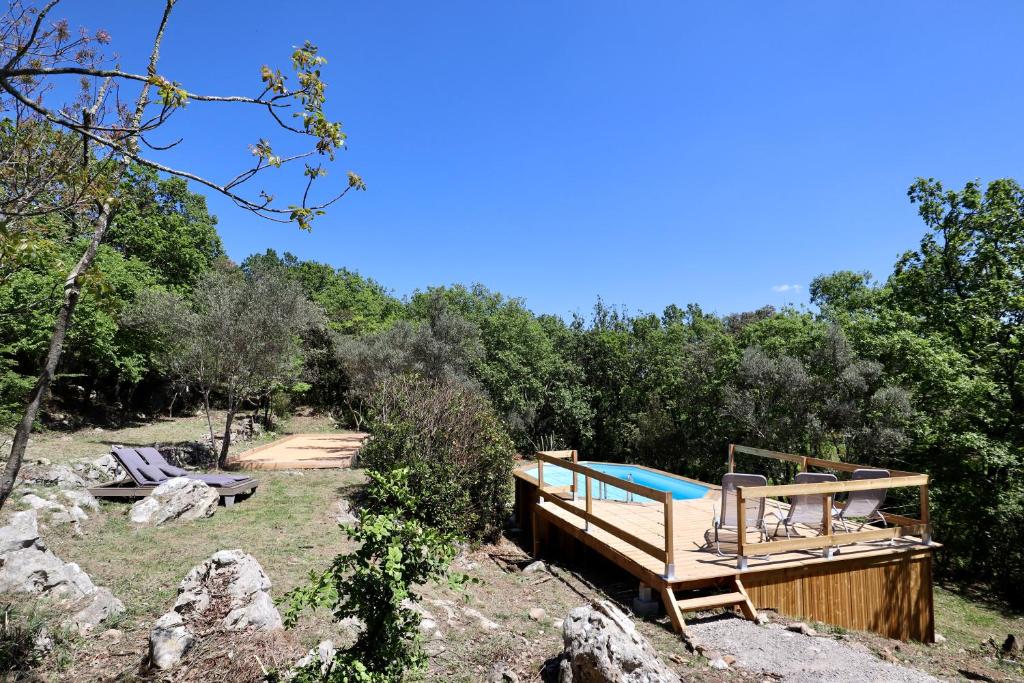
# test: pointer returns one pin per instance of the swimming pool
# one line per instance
(680, 488)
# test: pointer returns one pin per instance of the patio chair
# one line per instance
(753, 507)
(804, 509)
(144, 475)
(862, 505)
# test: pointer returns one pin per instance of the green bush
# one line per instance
(373, 584)
(456, 449)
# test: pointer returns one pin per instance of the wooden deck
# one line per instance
(302, 451)
(695, 563)
(873, 578)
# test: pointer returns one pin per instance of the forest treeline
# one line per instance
(919, 370)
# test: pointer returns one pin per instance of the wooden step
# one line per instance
(711, 601)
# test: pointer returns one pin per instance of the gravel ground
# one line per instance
(797, 658)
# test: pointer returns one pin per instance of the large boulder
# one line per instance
(228, 592)
(177, 499)
(602, 645)
(28, 567)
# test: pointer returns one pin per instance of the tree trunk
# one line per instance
(209, 420)
(72, 290)
(226, 445)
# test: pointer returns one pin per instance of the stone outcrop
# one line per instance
(176, 500)
(228, 592)
(27, 566)
(602, 645)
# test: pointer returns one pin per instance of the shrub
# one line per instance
(456, 449)
(373, 584)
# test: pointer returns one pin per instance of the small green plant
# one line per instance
(373, 584)
(21, 633)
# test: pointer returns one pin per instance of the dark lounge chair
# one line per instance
(147, 469)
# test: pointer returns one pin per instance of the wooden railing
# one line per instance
(901, 525)
(664, 553)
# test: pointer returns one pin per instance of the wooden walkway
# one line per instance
(302, 451)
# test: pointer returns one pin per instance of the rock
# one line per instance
(227, 592)
(112, 635)
(343, 512)
(102, 605)
(21, 532)
(534, 567)
(62, 476)
(602, 644)
(107, 467)
(729, 659)
(762, 619)
(484, 623)
(37, 503)
(177, 499)
(538, 613)
(73, 515)
(238, 577)
(81, 499)
(939, 639)
(718, 663)
(27, 566)
(802, 628)
(321, 657)
(501, 673)
(887, 655)
(169, 640)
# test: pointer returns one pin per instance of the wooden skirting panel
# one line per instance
(888, 595)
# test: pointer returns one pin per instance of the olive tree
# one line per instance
(64, 160)
(240, 336)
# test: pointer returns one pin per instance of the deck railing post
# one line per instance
(826, 523)
(670, 547)
(590, 503)
(741, 529)
(540, 475)
(572, 484)
(926, 535)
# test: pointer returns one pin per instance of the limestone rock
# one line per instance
(169, 641)
(62, 476)
(602, 645)
(537, 613)
(227, 592)
(81, 499)
(100, 606)
(177, 499)
(321, 656)
(106, 468)
(27, 566)
(21, 532)
(344, 513)
(536, 566)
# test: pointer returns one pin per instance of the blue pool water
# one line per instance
(559, 476)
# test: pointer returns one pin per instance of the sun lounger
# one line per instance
(806, 509)
(862, 505)
(753, 507)
(148, 470)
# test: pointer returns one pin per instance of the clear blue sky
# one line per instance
(646, 152)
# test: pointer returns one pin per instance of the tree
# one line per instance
(240, 337)
(37, 56)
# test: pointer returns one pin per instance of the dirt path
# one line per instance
(796, 658)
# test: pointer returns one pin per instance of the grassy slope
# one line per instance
(288, 527)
